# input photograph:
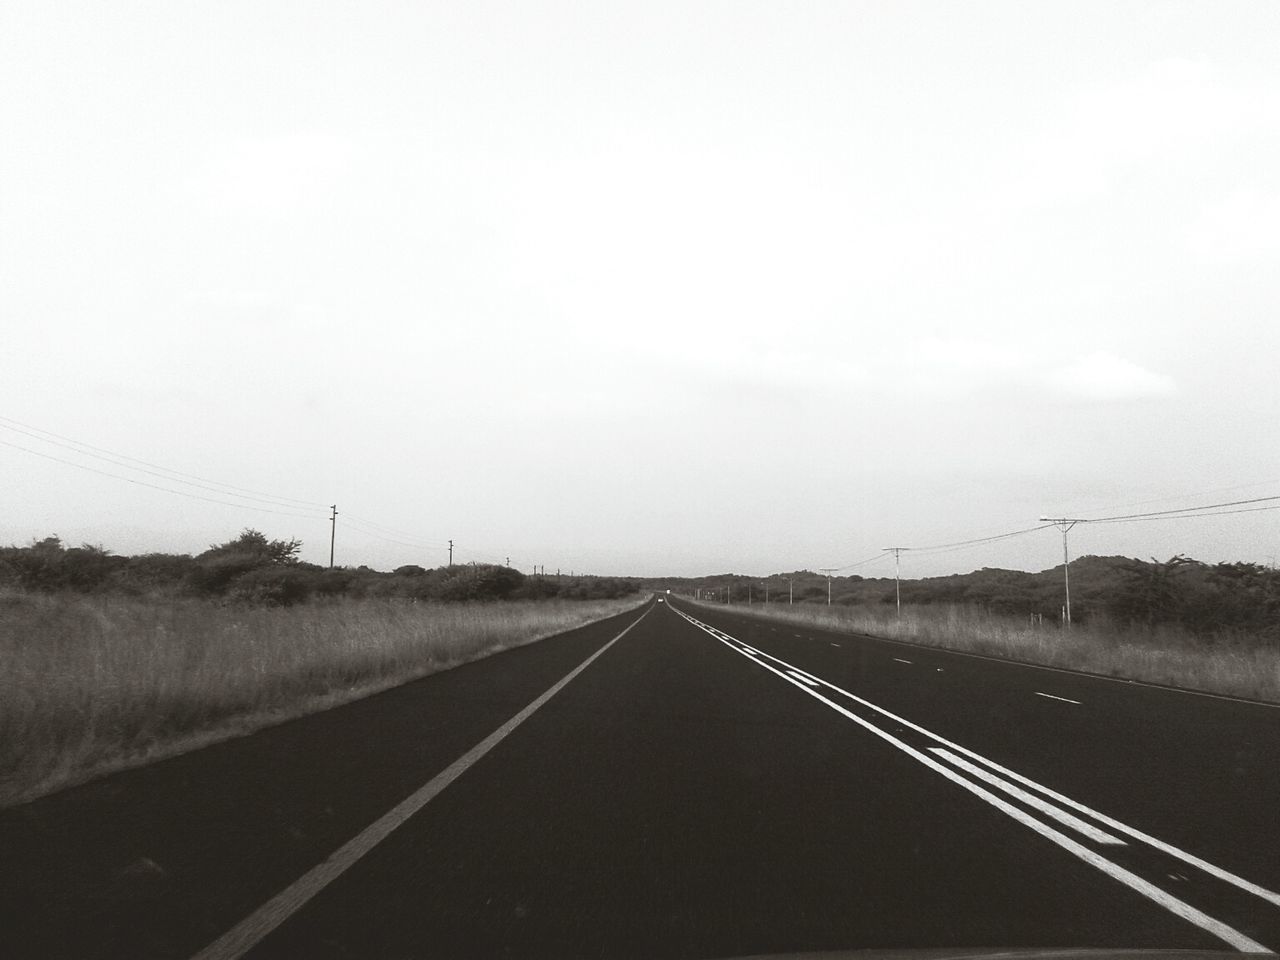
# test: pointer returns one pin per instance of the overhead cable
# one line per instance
(154, 486)
(1173, 513)
(151, 469)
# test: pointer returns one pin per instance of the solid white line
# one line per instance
(248, 932)
(900, 660)
(1225, 875)
(1041, 666)
(1064, 818)
(1179, 908)
(802, 678)
(1052, 697)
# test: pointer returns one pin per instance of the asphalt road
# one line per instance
(709, 785)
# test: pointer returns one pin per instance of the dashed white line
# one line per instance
(900, 660)
(1050, 696)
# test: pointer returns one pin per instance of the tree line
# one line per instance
(1204, 599)
(254, 569)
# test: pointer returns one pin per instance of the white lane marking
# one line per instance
(1225, 875)
(900, 660)
(252, 929)
(1064, 818)
(802, 678)
(1169, 902)
(1074, 673)
(835, 644)
(1052, 697)
(1189, 858)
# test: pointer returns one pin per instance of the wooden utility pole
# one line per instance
(333, 532)
(897, 575)
(828, 571)
(1065, 524)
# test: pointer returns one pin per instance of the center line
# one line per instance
(1052, 697)
(1064, 818)
(248, 932)
(900, 660)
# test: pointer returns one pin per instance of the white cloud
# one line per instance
(1240, 226)
(271, 175)
(1104, 376)
(1173, 115)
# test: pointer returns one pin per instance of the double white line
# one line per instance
(1001, 778)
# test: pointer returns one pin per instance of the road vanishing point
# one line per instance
(679, 781)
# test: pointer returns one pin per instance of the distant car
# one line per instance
(659, 599)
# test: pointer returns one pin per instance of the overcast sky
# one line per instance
(643, 288)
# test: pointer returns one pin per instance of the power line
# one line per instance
(1187, 516)
(361, 527)
(380, 526)
(1184, 496)
(860, 563)
(1182, 510)
(162, 473)
(153, 486)
(977, 540)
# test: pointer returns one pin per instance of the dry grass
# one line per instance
(1236, 666)
(91, 685)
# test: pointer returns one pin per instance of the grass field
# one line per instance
(91, 685)
(1228, 664)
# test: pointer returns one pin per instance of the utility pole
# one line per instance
(1065, 524)
(748, 593)
(828, 571)
(897, 575)
(766, 593)
(791, 584)
(451, 554)
(333, 532)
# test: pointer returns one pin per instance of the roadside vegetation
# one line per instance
(115, 662)
(1179, 623)
(252, 569)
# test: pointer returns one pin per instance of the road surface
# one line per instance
(680, 781)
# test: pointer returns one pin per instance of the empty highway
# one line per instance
(681, 781)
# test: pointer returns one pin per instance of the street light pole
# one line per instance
(1065, 524)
